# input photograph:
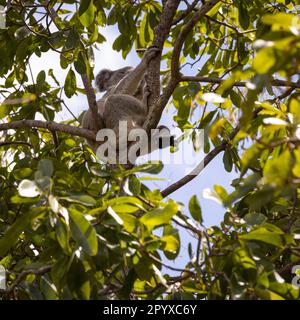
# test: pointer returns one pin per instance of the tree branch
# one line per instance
(186, 12)
(208, 158)
(288, 268)
(51, 126)
(24, 274)
(275, 82)
(8, 143)
(91, 97)
(158, 106)
(195, 172)
(161, 33)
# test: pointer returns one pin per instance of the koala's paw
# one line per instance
(147, 91)
(151, 53)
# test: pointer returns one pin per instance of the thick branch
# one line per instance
(158, 106)
(275, 82)
(161, 33)
(51, 126)
(195, 172)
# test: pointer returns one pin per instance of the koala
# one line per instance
(107, 79)
(125, 99)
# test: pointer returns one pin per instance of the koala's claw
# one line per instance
(147, 91)
(151, 53)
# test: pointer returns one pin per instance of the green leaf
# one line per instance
(171, 241)
(41, 78)
(62, 235)
(113, 15)
(82, 232)
(286, 290)
(125, 208)
(242, 258)
(259, 198)
(264, 60)
(277, 169)
(159, 217)
(193, 287)
(128, 200)
(255, 218)
(282, 19)
(83, 199)
(195, 209)
(129, 221)
(48, 289)
(125, 291)
(143, 34)
(86, 12)
(78, 280)
(250, 155)
(143, 267)
(134, 185)
(4, 110)
(80, 65)
(265, 294)
(265, 233)
(153, 167)
(244, 18)
(227, 160)
(18, 200)
(70, 84)
(121, 42)
(172, 246)
(184, 111)
(11, 236)
(59, 270)
(22, 173)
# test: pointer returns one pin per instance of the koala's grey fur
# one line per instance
(125, 97)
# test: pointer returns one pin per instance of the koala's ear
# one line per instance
(102, 78)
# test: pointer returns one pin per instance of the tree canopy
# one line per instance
(68, 230)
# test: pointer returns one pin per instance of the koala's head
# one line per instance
(106, 78)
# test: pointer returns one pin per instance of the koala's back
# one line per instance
(122, 107)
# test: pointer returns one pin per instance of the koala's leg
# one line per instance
(122, 107)
(130, 83)
(122, 114)
(146, 94)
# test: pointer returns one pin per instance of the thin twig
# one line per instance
(15, 143)
(275, 82)
(24, 274)
(196, 171)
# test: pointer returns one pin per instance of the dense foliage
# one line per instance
(69, 231)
